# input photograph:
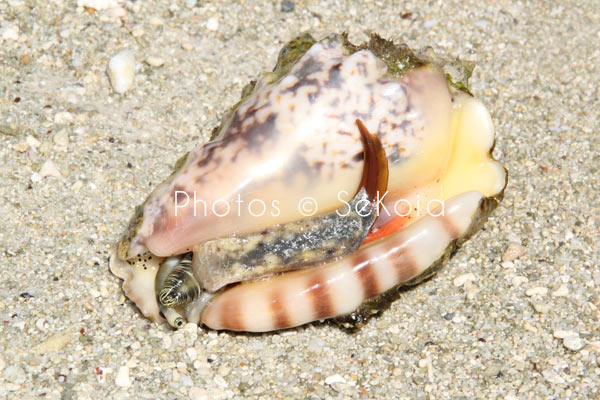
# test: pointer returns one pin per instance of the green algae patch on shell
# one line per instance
(400, 59)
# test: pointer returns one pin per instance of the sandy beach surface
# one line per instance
(514, 315)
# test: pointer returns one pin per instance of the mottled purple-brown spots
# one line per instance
(361, 116)
(178, 197)
(362, 69)
(318, 165)
(161, 220)
(334, 80)
(358, 157)
(208, 152)
(308, 67)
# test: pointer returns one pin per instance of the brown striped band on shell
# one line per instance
(337, 288)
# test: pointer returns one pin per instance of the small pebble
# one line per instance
(35, 177)
(562, 291)
(49, 169)
(471, 290)
(167, 342)
(186, 380)
(220, 381)
(53, 343)
(528, 327)
(121, 71)
(518, 280)
(513, 251)
(459, 319)
(25, 59)
(21, 147)
(330, 380)
(462, 279)
(287, 6)
(493, 369)
(2, 364)
(192, 353)
(190, 3)
(561, 334)
(11, 32)
(212, 24)
(40, 323)
(61, 138)
(186, 45)
(122, 378)
(156, 21)
(430, 23)
(63, 117)
(224, 370)
(197, 393)
(541, 308)
(592, 345)
(14, 374)
(181, 367)
(77, 186)
(315, 344)
(137, 31)
(394, 329)
(154, 61)
(32, 142)
(98, 4)
(481, 23)
(573, 343)
(569, 235)
(536, 291)
(117, 12)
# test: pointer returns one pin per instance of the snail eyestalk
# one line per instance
(173, 317)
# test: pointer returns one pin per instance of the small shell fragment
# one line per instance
(573, 343)
(562, 291)
(121, 71)
(122, 377)
(50, 169)
(513, 251)
(155, 61)
(536, 291)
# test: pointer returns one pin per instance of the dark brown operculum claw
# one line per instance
(302, 243)
(375, 171)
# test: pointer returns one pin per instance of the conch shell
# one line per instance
(331, 118)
